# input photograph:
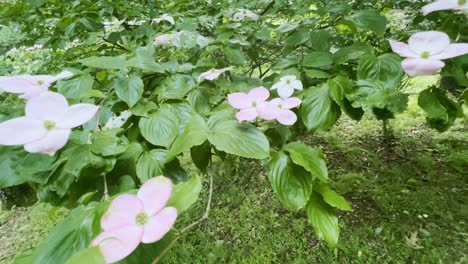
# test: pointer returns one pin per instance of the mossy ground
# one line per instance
(409, 195)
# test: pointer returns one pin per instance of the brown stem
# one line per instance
(192, 225)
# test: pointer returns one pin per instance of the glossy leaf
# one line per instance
(332, 198)
(161, 127)
(185, 194)
(194, 134)
(129, 89)
(318, 110)
(309, 158)
(323, 220)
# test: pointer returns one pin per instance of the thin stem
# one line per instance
(106, 190)
(192, 225)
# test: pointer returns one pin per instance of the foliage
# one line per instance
(337, 49)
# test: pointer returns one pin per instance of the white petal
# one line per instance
(46, 106)
(21, 130)
(285, 91)
(54, 140)
(76, 115)
(429, 41)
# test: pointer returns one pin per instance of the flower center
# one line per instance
(288, 82)
(40, 82)
(141, 218)
(49, 124)
(280, 106)
(254, 104)
(426, 54)
(461, 2)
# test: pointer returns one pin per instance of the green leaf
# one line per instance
(440, 110)
(318, 110)
(151, 164)
(320, 40)
(144, 60)
(339, 87)
(385, 68)
(194, 134)
(199, 101)
(129, 89)
(317, 74)
(235, 56)
(291, 183)
(72, 235)
(352, 52)
(185, 194)
(18, 166)
(107, 143)
(286, 27)
(332, 198)
(175, 87)
(369, 20)
(309, 158)
(76, 88)
(297, 38)
(318, 59)
(88, 255)
(161, 127)
(240, 139)
(105, 62)
(146, 253)
(201, 155)
(323, 220)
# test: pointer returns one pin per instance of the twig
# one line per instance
(106, 191)
(187, 228)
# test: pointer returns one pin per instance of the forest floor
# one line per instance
(409, 196)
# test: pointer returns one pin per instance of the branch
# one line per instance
(270, 5)
(192, 225)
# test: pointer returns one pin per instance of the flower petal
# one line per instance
(268, 110)
(403, 49)
(17, 84)
(155, 193)
(122, 212)
(429, 41)
(77, 115)
(247, 114)
(297, 85)
(240, 100)
(54, 140)
(291, 102)
(21, 130)
(421, 67)
(454, 50)
(440, 5)
(46, 106)
(285, 91)
(159, 225)
(288, 78)
(287, 117)
(259, 94)
(117, 244)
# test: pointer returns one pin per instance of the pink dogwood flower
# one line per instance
(47, 123)
(445, 5)
(213, 73)
(134, 219)
(425, 51)
(279, 109)
(287, 85)
(30, 85)
(248, 103)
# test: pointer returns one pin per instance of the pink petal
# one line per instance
(34, 92)
(54, 140)
(259, 94)
(421, 67)
(77, 115)
(159, 225)
(247, 114)
(403, 49)
(117, 244)
(240, 100)
(440, 5)
(454, 50)
(122, 212)
(155, 193)
(47, 106)
(429, 41)
(268, 110)
(291, 102)
(287, 117)
(21, 130)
